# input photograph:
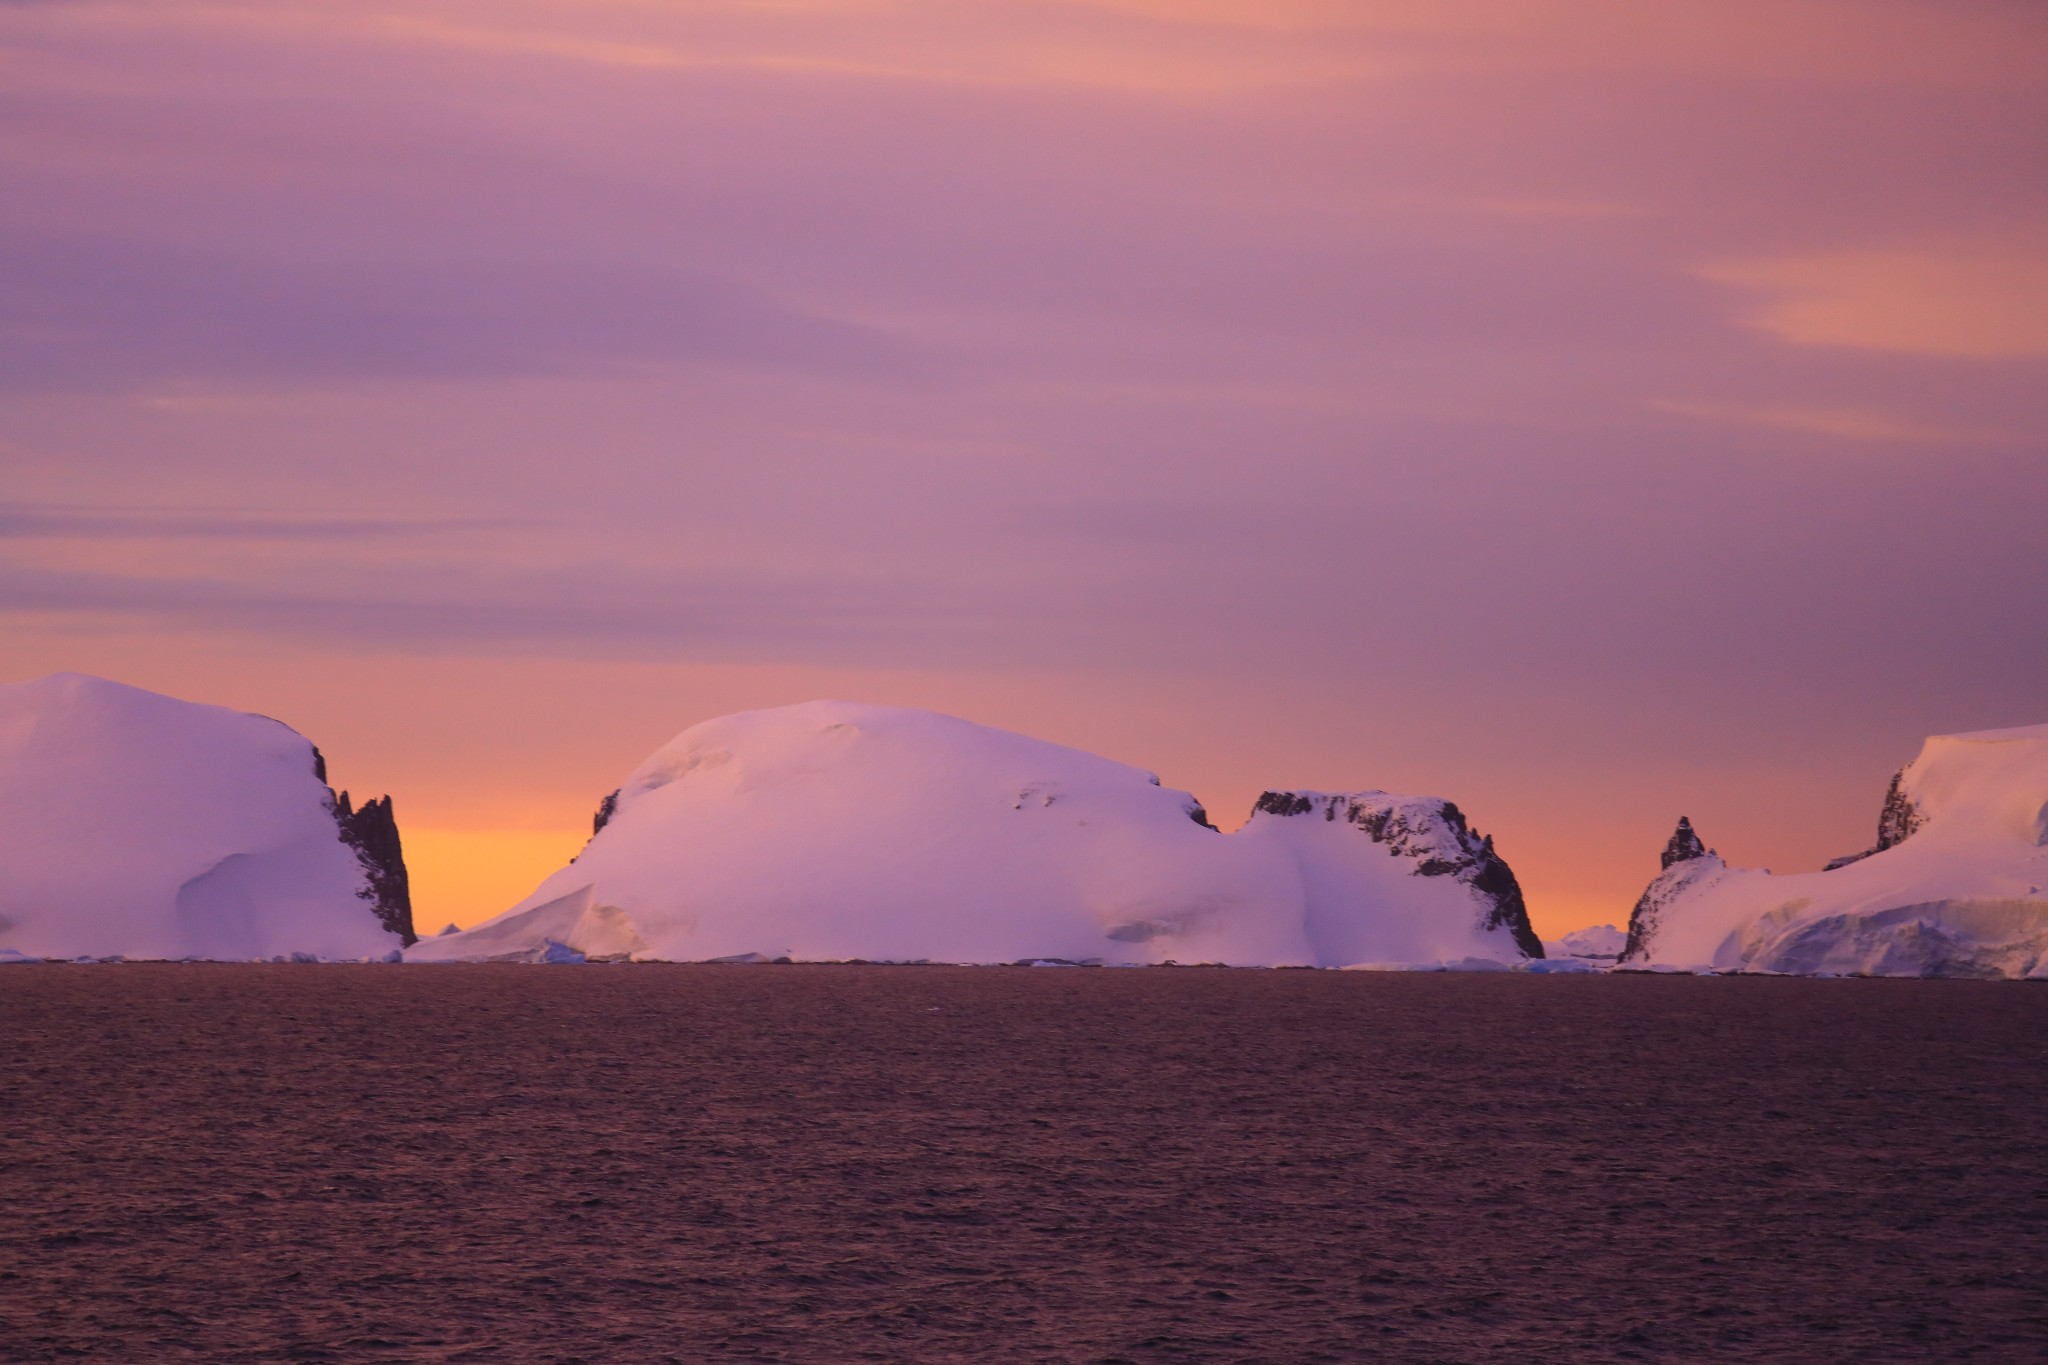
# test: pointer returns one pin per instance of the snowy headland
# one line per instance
(136, 825)
(833, 831)
(1953, 885)
(139, 826)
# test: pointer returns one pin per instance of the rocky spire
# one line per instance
(1684, 845)
(1895, 823)
(1900, 816)
(373, 833)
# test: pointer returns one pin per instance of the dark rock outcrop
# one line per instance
(606, 809)
(1896, 823)
(373, 833)
(1684, 851)
(1684, 844)
(1433, 835)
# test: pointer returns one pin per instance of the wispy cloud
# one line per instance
(1850, 424)
(55, 521)
(591, 610)
(91, 312)
(1967, 305)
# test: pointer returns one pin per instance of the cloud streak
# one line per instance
(29, 521)
(107, 313)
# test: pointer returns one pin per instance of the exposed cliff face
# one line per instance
(1900, 818)
(1897, 821)
(1433, 836)
(373, 833)
(138, 825)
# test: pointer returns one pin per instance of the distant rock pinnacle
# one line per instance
(1684, 845)
(1694, 860)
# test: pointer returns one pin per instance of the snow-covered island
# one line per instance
(833, 831)
(1953, 886)
(136, 825)
(1597, 943)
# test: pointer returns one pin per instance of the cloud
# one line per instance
(590, 610)
(1852, 424)
(45, 521)
(1965, 306)
(103, 313)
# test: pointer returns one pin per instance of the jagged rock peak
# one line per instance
(1898, 821)
(606, 809)
(373, 833)
(1684, 844)
(1686, 859)
(1431, 831)
(1433, 834)
(1901, 816)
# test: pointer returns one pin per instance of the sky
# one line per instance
(1592, 412)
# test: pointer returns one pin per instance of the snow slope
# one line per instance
(134, 824)
(1394, 879)
(833, 830)
(1954, 887)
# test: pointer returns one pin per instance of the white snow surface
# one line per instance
(1963, 895)
(1600, 940)
(138, 826)
(833, 830)
(1362, 902)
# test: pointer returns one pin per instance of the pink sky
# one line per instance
(1589, 412)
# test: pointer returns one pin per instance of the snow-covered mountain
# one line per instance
(1953, 887)
(1599, 941)
(1394, 879)
(833, 831)
(137, 825)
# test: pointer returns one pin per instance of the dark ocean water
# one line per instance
(827, 1164)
